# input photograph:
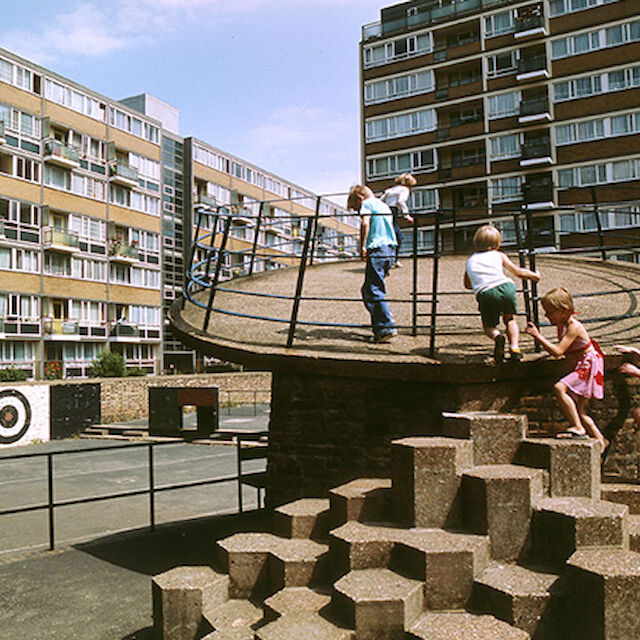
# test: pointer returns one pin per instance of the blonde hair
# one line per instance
(353, 200)
(406, 180)
(487, 237)
(558, 299)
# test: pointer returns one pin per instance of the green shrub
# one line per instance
(108, 364)
(137, 371)
(13, 374)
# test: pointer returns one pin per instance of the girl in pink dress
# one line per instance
(587, 378)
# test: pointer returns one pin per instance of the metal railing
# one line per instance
(151, 490)
(204, 280)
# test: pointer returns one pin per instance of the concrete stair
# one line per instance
(562, 526)
(515, 594)
(378, 604)
(479, 534)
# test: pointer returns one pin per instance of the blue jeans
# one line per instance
(379, 261)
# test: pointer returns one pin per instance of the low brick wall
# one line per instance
(128, 398)
(326, 430)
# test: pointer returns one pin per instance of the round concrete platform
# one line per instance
(335, 289)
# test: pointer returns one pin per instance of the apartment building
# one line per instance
(99, 200)
(501, 107)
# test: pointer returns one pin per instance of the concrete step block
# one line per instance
(561, 526)
(294, 600)
(244, 557)
(426, 475)
(296, 563)
(573, 465)
(378, 603)
(603, 594)
(180, 596)
(463, 626)
(495, 436)
(356, 545)
(234, 619)
(634, 532)
(305, 625)
(304, 518)
(623, 493)
(363, 499)
(515, 594)
(497, 500)
(446, 562)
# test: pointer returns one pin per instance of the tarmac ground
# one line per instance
(96, 584)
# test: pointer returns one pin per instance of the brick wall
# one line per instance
(326, 430)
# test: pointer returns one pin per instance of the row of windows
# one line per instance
(624, 124)
(418, 161)
(594, 40)
(19, 76)
(599, 173)
(398, 49)
(23, 306)
(20, 122)
(400, 125)
(399, 87)
(596, 84)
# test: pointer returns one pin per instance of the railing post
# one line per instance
(434, 288)
(152, 495)
(255, 237)
(315, 227)
(523, 264)
(603, 253)
(192, 253)
(216, 277)
(532, 262)
(414, 301)
(50, 505)
(239, 471)
(301, 270)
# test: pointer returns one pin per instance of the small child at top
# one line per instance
(396, 198)
(587, 378)
(495, 292)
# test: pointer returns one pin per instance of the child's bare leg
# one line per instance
(491, 332)
(589, 424)
(636, 416)
(568, 407)
(513, 331)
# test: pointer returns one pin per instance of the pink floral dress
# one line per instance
(587, 377)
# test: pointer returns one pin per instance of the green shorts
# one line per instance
(500, 300)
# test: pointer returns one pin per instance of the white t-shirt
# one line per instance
(485, 270)
(397, 197)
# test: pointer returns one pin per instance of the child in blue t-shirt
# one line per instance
(377, 247)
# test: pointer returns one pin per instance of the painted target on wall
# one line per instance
(15, 416)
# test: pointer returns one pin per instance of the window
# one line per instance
(577, 88)
(499, 23)
(574, 45)
(418, 161)
(502, 64)
(580, 131)
(401, 86)
(504, 105)
(400, 125)
(423, 200)
(406, 47)
(561, 7)
(73, 99)
(507, 146)
(506, 189)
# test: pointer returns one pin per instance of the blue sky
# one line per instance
(272, 81)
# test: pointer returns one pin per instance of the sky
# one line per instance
(274, 82)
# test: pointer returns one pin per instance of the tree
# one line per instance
(108, 364)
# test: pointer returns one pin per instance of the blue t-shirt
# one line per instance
(380, 226)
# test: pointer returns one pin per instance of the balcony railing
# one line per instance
(534, 106)
(533, 63)
(206, 201)
(124, 330)
(61, 327)
(14, 326)
(123, 173)
(528, 23)
(124, 251)
(536, 149)
(57, 152)
(60, 240)
(538, 193)
(427, 16)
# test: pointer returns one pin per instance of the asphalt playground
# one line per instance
(96, 584)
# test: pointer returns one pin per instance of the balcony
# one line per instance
(124, 332)
(528, 26)
(120, 251)
(203, 200)
(57, 240)
(536, 152)
(539, 196)
(2, 138)
(534, 110)
(123, 174)
(60, 154)
(532, 68)
(60, 328)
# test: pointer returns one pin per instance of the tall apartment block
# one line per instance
(98, 203)
(501, 107)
